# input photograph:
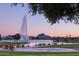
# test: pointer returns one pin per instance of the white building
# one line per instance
(41, 39)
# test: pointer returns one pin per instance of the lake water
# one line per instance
(45, 50)
(34, 49)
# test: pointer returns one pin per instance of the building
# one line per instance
(40, 39)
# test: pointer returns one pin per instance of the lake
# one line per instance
(45, 50)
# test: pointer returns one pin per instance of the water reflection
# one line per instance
(45, 50)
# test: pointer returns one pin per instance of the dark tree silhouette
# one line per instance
(17, 36)
(56, 11)
(0, 36)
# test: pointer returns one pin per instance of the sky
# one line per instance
(11, 22)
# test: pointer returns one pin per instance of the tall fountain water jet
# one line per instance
(24, 29)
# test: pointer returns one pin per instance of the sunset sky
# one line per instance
(11, 21)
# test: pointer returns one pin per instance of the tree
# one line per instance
(56, 11)
(0, 36)
(17, 36)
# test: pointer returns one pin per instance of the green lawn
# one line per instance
(72, 46)
(10, 53)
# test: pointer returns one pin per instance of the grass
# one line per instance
(10, 53)
(72, 46)
(14, 53)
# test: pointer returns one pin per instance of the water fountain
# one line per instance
(24, 36)
(23, 40)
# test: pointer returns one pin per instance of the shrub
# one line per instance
(49, 44)
(44, 44)
(40, 44)
(11, 47)
(35, 44)
(28, 46)
(17, 46)
(6, 46)
(22, 45)
(55, 43)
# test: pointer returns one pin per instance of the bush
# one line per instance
(35, 44)
(6, 46)
(1, 46)
(11, 47)
(44, 44)
(22, 45)
(28, 46)
(49, 44)
(17, 46)
(40, 44)
(55, 43)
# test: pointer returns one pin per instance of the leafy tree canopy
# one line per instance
(56, 11)
(16, 36)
